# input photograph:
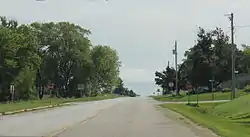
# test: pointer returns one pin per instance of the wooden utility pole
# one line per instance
(233, 55)
(176, 68)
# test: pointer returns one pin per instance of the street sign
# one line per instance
(12, 88)
(80, 86)
(12, 91)
(171, 84)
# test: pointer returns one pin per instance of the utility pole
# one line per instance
(176, 68)
(231, 18)
(233, 56)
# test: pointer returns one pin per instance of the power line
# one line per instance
(242, 26)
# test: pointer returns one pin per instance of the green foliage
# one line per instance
(202, 97)
(206, 116)
(25, 82)
(247, 88)
(46, 102)
(227, 89)
(40, 54)
(226, 119)
(210, 58)
(236, 108)
(164, 78)
(121, 90)
(105, 66)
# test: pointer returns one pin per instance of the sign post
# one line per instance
(212, 87)
(12, 91)
(171, 84)
(80, 87)
(197, 95)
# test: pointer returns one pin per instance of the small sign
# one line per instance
(12, 88)
(171, 84)
(52, 86)
(80, 86)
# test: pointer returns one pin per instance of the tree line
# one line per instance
(209, 59)
(121, 90)
(54, 59)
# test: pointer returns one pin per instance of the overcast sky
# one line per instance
(142, 31)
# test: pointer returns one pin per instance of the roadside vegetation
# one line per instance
(230, 119)
(54, 60)
(207, 64)
(201, 97)
(49, 101)
(206, 68)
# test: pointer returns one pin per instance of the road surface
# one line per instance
(122, 117)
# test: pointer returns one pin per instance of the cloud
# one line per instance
(136, 75)
(142, 31)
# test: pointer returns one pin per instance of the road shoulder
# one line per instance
(180, 119)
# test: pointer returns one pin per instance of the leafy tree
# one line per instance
(164, 78)
(37, 55)
(106, 67)
(245, 60)
(209, 59)
(121, 90)
(18, 57)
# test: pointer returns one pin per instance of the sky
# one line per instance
(142, 31)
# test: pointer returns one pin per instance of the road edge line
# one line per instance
(33, 109)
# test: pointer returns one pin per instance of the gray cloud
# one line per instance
(142, 31)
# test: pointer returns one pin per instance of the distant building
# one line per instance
(241, 81)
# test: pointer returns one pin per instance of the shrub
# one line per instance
(247, 88)
(226, 90)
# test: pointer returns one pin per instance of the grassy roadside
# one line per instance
(219, 117)
(45, 102)
(202, 97)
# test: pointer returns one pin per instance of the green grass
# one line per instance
(231, 119)
(239, 108)
(201, 97)
(44, 102)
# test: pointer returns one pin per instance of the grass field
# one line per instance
(201, 97)
(45, 102)
(231, 119)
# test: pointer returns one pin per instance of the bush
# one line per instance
(247, 88)
(226, 90)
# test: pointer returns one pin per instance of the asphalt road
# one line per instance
(122, 117)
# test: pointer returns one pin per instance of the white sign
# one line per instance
(171, 84)
(12, 88)
(80, 86)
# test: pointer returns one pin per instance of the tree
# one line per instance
(244, 61)
(19, 59)
(56, 55)
(164, 78)
(211, 54)
(105, 66)
(121, 90)
(209, 59)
